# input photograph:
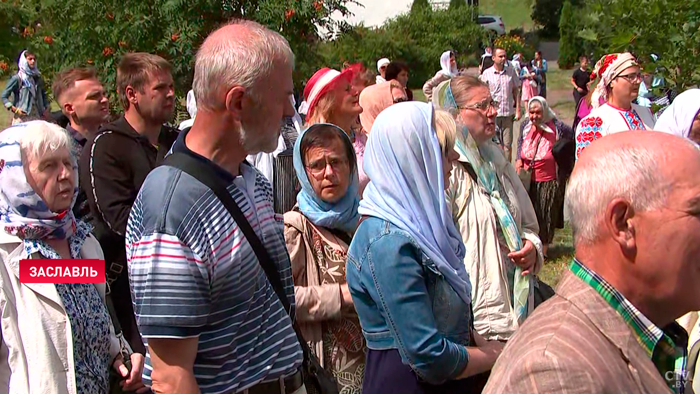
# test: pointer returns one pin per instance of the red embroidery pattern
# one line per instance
(589, 130)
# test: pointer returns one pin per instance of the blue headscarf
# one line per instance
(341, 215)
(403, 160)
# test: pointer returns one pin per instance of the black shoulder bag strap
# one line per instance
(203, 173)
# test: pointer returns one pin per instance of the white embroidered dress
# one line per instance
(607, 119)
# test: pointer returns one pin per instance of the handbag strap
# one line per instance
(202, 172)
(537, 148)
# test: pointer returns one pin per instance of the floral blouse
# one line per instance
(89, 320)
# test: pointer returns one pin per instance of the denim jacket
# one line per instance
(404, 303)
(22, 95)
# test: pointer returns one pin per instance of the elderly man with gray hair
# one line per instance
(634, 200)
(212, 320)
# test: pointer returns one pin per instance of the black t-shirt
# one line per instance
(581, 78)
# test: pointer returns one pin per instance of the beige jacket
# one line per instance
(575, 343)
(315, 303)
(432, 83)
(494, 316)
(35, 329)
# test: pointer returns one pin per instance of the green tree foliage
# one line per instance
(669, 29)
(420, 6)
(569, 42)
(455, 4)
(547, 13)
(417, 38)
(86, 32)
(15, 30)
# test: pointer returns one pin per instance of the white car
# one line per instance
(492, 22)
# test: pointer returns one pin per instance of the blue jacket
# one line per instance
(22, 96)
(404, 303)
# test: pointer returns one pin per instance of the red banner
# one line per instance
(62, 271)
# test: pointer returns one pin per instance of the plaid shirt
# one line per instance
(501, 85)
(658, 343)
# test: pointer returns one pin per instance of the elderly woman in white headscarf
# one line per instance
(620, 77)
(535, 160)
(29, 101)
(448, 70)
(682, 118)
(493, 213)
(59, 336)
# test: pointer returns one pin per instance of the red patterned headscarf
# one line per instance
(608, 68)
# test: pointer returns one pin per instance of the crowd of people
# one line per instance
(366, 243)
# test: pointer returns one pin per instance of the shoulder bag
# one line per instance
(315, 376)
(525, 175)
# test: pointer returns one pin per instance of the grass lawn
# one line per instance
(561, 252)
(515, 13)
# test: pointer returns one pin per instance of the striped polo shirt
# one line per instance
(193, 274)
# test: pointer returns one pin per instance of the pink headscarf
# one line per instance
(373, 100)
(608, 68)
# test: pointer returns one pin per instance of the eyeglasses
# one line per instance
(483, 106)
(318, 168)
(632, 78)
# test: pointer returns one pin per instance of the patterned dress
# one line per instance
(607, 119)
(344, 346)
(89, 321)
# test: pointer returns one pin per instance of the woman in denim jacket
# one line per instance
(405, 272)
(29, 101)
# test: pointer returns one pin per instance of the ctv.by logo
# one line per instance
(679, 378)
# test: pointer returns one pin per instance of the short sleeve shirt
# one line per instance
(501, 84)
(193, 274)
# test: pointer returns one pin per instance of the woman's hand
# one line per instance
(518, 164)
(132, 379)
(525, 258)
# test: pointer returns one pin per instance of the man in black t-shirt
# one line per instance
(581, 79)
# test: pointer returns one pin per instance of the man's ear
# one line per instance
(619, 222)
(67, 109)
(235, 98)
(130, 93)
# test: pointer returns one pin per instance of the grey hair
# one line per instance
(221, 64)
(39, 137)
(631, 173)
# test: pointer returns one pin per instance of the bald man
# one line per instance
(610, 328)
(211, 319)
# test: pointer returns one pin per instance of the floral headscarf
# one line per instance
(22, 212)
(608, 68)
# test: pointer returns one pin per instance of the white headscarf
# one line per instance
(678, 118)
(447, 68)
(191, 104)
(25, 72)
(191, 109)
(547, 113)
(403, 161)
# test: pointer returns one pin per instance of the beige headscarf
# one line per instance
(373, 100)
(608, 68)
